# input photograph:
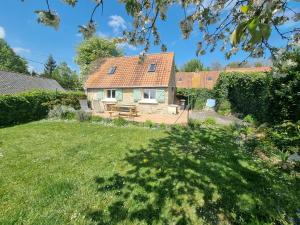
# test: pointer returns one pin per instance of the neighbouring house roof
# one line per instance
(11, 83)
(131, 72)
(207, 79)
(249, 69)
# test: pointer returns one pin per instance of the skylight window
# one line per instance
(112, 70)
(152, 67)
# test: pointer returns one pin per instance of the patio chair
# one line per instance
(97, 106)
(84, 105)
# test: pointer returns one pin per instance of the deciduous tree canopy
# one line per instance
(67, 78)
(91, 51)
(10, 61)
(193, 65)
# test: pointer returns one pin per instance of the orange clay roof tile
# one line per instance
(130, 72)
(207, 79)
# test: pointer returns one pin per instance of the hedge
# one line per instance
(248, 93)
(285, 98)
(197, 97)
(30, 106)
(266, 97)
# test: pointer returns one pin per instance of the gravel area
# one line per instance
(205, 114)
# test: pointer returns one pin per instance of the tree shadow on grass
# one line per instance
(196, 175)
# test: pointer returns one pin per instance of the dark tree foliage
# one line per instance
(194, 65)
(67, 78)
(49, 67)
(10, 61)
(91, 52)
(285, 88)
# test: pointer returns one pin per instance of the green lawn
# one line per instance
(84, 173)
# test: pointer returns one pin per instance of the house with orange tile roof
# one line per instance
(148, 84)
(207, 79)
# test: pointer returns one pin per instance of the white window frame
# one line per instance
(110, 91)
(149, 90)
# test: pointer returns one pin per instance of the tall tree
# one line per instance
(194, 65)
(67, 78)
(228, 24)
(90, 52)
(49, 67)
(9, 60)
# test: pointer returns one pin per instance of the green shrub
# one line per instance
(162, 126)
(62, 112)
(224, 107)
(120, 122)
(83, 116)
(210, 121)
(285, 86)
(192, 123)
(149, 123)
(35, 105)
(249, 119)
(199, 104)
(285, 136)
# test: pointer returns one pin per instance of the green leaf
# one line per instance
(253, 25)
(256, 37)
(265, 30)
(244, 8)
(237, 34)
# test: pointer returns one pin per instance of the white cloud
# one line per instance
(125, 45)
(103, 35)
(30, 68)
(117, 23)
(20, 50)
(2, 32)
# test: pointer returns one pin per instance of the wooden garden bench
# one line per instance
(124, 110)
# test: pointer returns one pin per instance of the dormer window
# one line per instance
(112, 70)
(152, 67)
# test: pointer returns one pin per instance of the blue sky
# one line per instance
(35, 42)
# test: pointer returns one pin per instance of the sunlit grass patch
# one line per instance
(86, 173)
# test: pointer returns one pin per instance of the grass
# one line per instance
(84, 173)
